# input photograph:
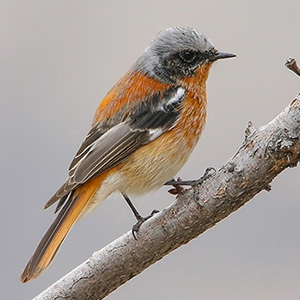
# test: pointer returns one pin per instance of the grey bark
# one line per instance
(265, 153)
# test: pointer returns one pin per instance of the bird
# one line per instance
(142, 134)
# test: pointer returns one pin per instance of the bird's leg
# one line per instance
(140, 219)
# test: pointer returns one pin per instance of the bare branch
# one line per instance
(265, 153)
(291, 64)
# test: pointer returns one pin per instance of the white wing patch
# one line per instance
(174, 100)
(177, 97)
(154, 133)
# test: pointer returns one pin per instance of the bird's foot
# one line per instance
(208, 173)
(177, 184)
(140, 221)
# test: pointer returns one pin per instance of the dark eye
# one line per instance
(188, 55)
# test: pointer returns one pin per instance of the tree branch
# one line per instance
(265, 153)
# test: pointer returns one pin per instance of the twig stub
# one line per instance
(291, 64)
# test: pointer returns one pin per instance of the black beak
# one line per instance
(221, 55)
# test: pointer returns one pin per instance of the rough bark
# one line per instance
(265, 153)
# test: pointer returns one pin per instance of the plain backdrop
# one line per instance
(60, 58)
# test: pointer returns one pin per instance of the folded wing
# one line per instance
(105, 148)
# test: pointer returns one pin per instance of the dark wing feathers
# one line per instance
(106, 146)
(111, 148)
(160, 111)
(94, 134)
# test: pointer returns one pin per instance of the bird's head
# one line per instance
(177, 53)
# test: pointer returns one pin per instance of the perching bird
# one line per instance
(143, 132)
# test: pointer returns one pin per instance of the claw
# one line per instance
(141, 220)
(193, 183)
(208, 173)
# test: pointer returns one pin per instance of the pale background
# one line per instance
(60, 58)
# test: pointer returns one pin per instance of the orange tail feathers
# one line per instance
(59, 229)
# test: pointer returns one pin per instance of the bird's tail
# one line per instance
(58, 231)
